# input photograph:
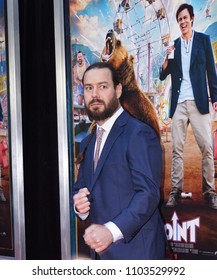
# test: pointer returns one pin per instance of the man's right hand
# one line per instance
(81, 202)
(169, 50)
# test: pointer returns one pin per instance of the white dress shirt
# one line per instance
(186, 90)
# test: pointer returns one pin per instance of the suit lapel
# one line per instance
(195, 47)
(178, 54)
(113, 135)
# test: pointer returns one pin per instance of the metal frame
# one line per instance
(14, 85)
(62, 129)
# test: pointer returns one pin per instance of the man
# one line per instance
(122, 194)
(78, 72)
(191, 69)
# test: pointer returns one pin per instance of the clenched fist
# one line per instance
(98, 237)
(81, 202)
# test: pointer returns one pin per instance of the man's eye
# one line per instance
(88, 88)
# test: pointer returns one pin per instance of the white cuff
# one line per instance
(115, 231)
(81, 216)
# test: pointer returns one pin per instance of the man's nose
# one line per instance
(95, 92)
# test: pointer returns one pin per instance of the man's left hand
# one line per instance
(98, 237)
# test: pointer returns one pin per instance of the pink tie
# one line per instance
(99, 134)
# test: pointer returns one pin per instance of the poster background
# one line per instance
(145, 26)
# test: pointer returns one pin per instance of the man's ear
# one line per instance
(119, 90)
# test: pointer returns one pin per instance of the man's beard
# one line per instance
(108, 111)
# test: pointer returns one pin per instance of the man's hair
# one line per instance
(104, 65)
(183, 7)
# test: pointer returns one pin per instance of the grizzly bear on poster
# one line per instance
(133, 100)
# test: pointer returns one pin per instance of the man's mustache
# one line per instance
(96, 100)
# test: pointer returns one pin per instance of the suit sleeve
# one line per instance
(145, 164)
(164, 73)
(211, 71)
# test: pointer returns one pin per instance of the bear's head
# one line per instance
(114, 52)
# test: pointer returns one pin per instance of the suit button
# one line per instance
(180, 79)
(178, 91)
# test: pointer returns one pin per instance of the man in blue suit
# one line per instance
(121, 195)
(191, 70)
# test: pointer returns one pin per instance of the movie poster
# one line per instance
(6, 217)
(145, 28)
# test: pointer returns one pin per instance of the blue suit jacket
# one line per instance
(202, 63)
(125, 189)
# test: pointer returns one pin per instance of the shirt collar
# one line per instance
(190, 39)
(109, 123)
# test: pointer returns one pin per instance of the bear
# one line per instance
(133, 100)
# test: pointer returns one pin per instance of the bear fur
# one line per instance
(133, 100)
